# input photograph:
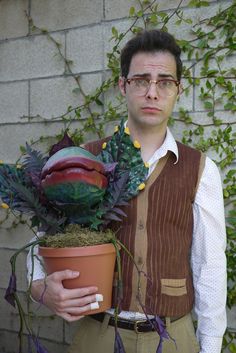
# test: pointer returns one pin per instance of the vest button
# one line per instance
(140, 260)
(140, 225)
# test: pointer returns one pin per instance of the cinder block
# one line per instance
(231, 318)
(31, 57)
(52, 97)
(44, 323)
(14, 238)
(183, 31)
(85, 49)
(13, 136)
(118, 9)
(6, 269)
(9, 343)
(227, 63)
(13, 21)
(111, 97)
(122, 26)
(62, 14)
(16, 92)
(185, 99)
(70, 330)
(201, 118)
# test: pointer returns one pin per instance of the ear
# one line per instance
(121, 84)
(181, 89)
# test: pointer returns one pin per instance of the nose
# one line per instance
(152, 91)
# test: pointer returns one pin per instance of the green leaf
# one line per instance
(198, 3)
(212, 72)
(208, 105)
(139, 13)
(132, 11)
(98, 101)
(153, 18)
(189, 21)
(163, 15)
(232, 348)
(217, 122)
(114, 32)
(230, 106)
(178, 22)
(208, 84)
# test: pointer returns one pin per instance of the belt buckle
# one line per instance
(136, 325)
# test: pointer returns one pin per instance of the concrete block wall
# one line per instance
(34, 82)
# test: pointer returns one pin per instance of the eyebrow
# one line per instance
(144, 75)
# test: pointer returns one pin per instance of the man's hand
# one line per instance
(70, 304)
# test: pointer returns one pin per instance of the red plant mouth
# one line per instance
(74, 174)
(72, 162)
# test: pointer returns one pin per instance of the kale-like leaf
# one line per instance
(32, 164)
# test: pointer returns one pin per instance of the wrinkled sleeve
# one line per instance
(208, 260)
(34, 263)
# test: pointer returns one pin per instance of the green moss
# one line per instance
(75, 235)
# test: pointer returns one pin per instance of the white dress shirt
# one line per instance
(208, 259)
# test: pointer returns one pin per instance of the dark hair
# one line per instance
(150, 41)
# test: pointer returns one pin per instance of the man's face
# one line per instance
(150, 110)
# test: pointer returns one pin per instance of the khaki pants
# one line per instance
(96, 337)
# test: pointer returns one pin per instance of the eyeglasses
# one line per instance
(165, 87)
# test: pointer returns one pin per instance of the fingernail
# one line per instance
(75, 273)
(99, 297)
(94, 305)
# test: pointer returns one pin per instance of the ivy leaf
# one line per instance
(208, 105)
(131, 11)
(99, 102)
(114, 32)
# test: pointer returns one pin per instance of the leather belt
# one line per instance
(137, 326)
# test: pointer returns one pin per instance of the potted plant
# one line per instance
(70, 195)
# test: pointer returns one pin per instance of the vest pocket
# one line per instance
(173, 287)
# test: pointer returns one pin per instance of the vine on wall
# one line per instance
(209, 47)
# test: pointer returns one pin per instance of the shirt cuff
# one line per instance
(210, 344)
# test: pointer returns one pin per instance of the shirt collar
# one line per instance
(169, 144)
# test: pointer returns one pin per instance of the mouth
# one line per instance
(150, 109)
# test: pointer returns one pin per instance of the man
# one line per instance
(175, 227)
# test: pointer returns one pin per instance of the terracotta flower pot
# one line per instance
(95, 264)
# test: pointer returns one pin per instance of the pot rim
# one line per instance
(77, 251)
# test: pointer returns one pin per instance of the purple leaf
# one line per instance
(159, 326)
(66, 141)
(118, 345)
(11, 290)
(111, 216)
(119, 211)
(39, 347)
(109, 167)
(122, 203)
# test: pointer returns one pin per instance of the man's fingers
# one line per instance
(79, 302)
(81, 292)
(61, 275)
(82, 309)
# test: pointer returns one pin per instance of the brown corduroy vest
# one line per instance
(158, 232)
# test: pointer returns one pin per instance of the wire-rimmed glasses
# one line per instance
(165, 87)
